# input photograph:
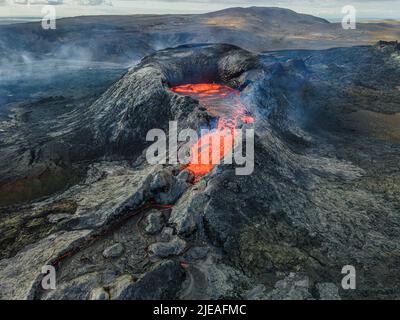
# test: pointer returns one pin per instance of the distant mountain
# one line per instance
(127, 38)
(269, 15)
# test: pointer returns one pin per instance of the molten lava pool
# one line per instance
(223, 103)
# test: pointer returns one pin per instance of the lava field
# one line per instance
(77, 192)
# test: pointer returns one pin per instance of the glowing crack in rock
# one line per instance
(223, 103)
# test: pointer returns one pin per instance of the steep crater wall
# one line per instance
(115, 126)
(142, 100)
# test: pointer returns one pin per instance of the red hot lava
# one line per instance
(223, 103)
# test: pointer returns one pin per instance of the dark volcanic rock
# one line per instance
(161, 283)
(115, 126)
(154, 222)
(324, 192)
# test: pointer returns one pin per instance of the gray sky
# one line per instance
(330, 9)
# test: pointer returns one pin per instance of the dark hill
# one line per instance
(128, 38)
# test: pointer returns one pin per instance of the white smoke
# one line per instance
(23, 65)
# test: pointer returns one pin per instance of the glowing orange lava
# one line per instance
(221, 102)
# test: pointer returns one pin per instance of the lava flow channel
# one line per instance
(223, 103)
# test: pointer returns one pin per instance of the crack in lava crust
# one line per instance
(223, 103)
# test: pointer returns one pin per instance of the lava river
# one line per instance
(223, 103)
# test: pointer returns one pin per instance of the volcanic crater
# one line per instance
(130, 230)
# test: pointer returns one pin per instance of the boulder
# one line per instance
(163, 282)
(114, 251)
(99, 294)
(154, 222)
(167, 249)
